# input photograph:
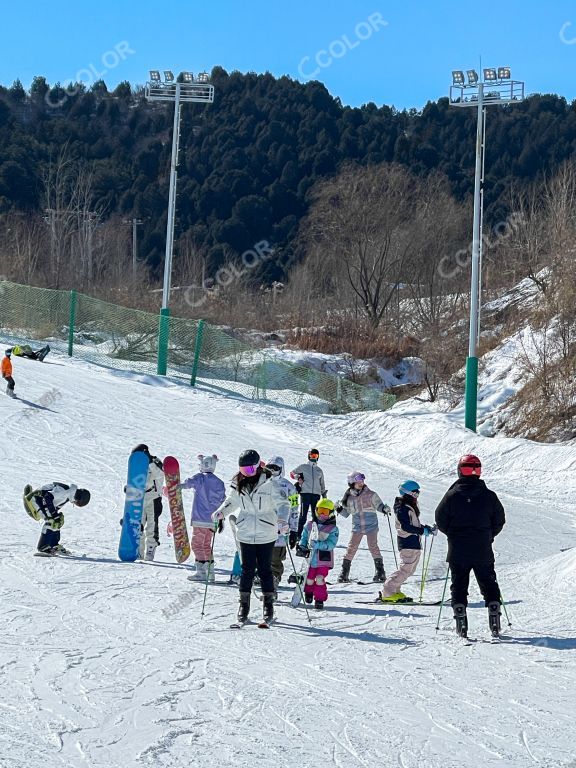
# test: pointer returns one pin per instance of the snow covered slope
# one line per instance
(106, 664)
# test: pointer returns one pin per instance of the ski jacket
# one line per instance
(321, 550)
(49, 499)
(312, 478)
(209, 493)
(408, 526)
(363, 506)
(471, 516)
(6, 368)
(259, 510)
(294, 513)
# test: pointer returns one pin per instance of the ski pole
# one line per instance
(208, 570)
(392, 541)
(443, 595)
(505, 611)
(425, 567)
(299, 585)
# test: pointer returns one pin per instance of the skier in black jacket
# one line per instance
(471, 516)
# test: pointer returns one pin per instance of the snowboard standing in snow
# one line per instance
(128, 548)
(179, 530)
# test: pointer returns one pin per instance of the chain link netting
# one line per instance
(119, 337)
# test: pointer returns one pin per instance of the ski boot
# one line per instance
(397, 597)
(60, 550)
(461, 620)
(200, 574)
(319, 605)
(344, 577)
(379, 572)
(494, 618)
(308, 597)
(243, 607)
(268, 607)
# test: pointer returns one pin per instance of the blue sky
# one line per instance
(398, 52)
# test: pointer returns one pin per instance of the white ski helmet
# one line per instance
(276, 461)
(207, 463)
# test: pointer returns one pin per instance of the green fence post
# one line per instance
(71, 323)
(197, 350)
(163, 336)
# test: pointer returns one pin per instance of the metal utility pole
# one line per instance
(503, 90)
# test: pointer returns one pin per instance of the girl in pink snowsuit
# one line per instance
(320, 548)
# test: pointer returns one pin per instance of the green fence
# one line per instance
(119, 337)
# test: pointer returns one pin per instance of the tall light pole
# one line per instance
(134, 223)
(186, 88)
(474, 93)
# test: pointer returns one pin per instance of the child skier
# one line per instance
(409, 530)
(45, 504)
(209, 493)
(320, 551)
(7, 373)
(310, 483)
(363, 504)
(275, 466)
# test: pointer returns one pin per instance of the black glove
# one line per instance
(292, 539)
(302, 551)
(324, 494)
(298, 487)
(338, 508)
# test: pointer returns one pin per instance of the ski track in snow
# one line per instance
(98, 673)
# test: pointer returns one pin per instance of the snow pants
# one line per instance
(201, 543)
(308, 503)
(278, 557)
(10, 384)
(48, 539)
(316, 582)
(485, 576)
(256, 556)
(149, 535)
(371, 540)
(409, 559)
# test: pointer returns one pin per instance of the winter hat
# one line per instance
(469, 466)
(249, 458)
(207, 463)
(276, 465)
(8, 352)
(356, 477)
(409, 488)
(142, 448)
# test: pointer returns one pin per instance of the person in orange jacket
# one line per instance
(7, 373)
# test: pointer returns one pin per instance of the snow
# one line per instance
(106, 664)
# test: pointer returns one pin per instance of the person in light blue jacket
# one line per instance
(209, 493)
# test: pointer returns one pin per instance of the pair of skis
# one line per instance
(138, 464)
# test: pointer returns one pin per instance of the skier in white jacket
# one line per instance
(262, 514)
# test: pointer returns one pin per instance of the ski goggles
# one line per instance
(274, 468)
(314, 455)
(358, 477)
(249, 471)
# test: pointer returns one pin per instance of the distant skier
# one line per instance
(150, 536)
(263, 512)
(209, 493)
(309, 480)
(45, 504)
(471, 516)
(409, 531)
(7, 373)
(364, 505)
(25, 350)
(320, 550)
(275, 466)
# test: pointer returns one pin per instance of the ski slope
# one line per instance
(106, 664)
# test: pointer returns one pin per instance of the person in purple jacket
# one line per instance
(209, 493)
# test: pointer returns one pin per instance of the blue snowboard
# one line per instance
(138, 464)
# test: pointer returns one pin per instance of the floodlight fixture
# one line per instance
(457, 77)
(168, 76)
(203, 77)
(155, 75)
(187, 77)
(504, 73)
(472, 76)
(490, 75)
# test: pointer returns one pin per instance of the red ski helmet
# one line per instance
(469, 465)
